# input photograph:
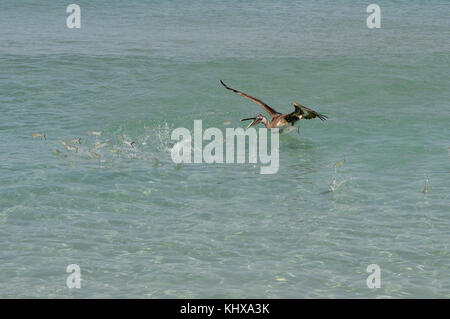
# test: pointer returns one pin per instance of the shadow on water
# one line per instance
(295, 141)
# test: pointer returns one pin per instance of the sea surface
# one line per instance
(140, 226)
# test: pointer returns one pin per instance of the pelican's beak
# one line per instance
(255, 121)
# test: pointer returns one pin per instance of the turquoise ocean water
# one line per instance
(139, 226)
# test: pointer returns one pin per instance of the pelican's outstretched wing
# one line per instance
(306, 113)
(268, 109)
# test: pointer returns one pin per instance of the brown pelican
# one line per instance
(277, 119)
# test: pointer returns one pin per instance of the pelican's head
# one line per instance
(256, 120)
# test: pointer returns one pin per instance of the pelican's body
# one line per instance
(278, 120)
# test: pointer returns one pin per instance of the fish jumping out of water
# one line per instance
(98, 146)
(124, 141)
(94, 133)
(277, 119)
(68, 146)
(36, 135)
(129, 143)
(96, 155)
(339, 163)
(76, 140)
(426, 189)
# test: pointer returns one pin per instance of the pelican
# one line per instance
(277, 119)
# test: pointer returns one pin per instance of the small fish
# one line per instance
(74, 141)
(36, 135)
(426, 188)
(129, 143)
(71, 148)
(96, 155)
(227, 123)
(342, 161)
(98, 146)
(56, 152)
(120, 137)
(94, 133)
(124, 141)
(113, 151)
(63, 143)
